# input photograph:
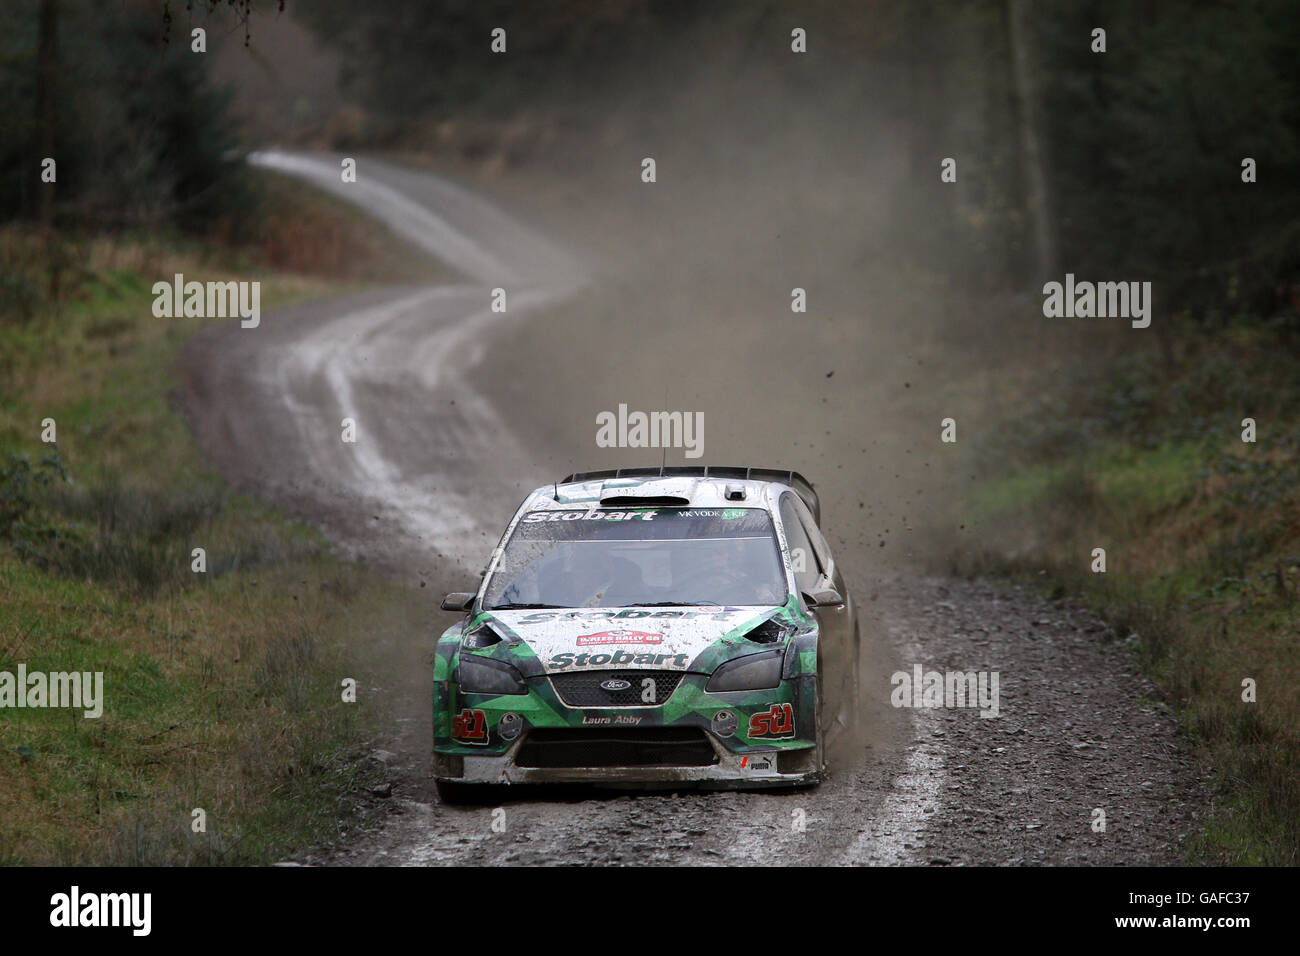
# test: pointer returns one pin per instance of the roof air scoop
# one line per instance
(644, 501)
(626, 493)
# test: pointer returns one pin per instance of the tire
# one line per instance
(453, 793)
(851, 701)
(820, 719)
(844, 699)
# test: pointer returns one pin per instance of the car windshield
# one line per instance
(620, 557)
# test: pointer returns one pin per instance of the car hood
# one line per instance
(651, 638)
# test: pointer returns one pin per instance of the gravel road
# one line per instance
(460, 410)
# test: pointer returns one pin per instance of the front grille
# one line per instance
(617, 747)
(584, 690)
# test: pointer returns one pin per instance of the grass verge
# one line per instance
(1143, 455)
(222, 690)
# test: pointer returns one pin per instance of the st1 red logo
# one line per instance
(470, 727)
(777, 722)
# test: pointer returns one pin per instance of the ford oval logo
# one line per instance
(615, 684)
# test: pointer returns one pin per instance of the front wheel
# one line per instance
(851, 706)
(454, 793)
(818, 718)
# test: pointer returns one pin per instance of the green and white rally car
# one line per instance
(650, 626)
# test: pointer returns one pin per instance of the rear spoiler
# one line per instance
(801, 485)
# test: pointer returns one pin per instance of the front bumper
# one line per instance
(788, 767)
(734, 740)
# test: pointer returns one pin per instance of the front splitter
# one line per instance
(730, 772)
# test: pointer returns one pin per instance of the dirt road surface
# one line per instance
(460, 410)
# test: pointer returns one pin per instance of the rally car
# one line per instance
(676, 626)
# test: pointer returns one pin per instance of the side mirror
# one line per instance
(822, 597)
(458, 601)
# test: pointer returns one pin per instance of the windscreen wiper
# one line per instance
(524, 606)
(671, 604)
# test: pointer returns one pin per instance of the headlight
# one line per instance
(755, 672)
(481, 675)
